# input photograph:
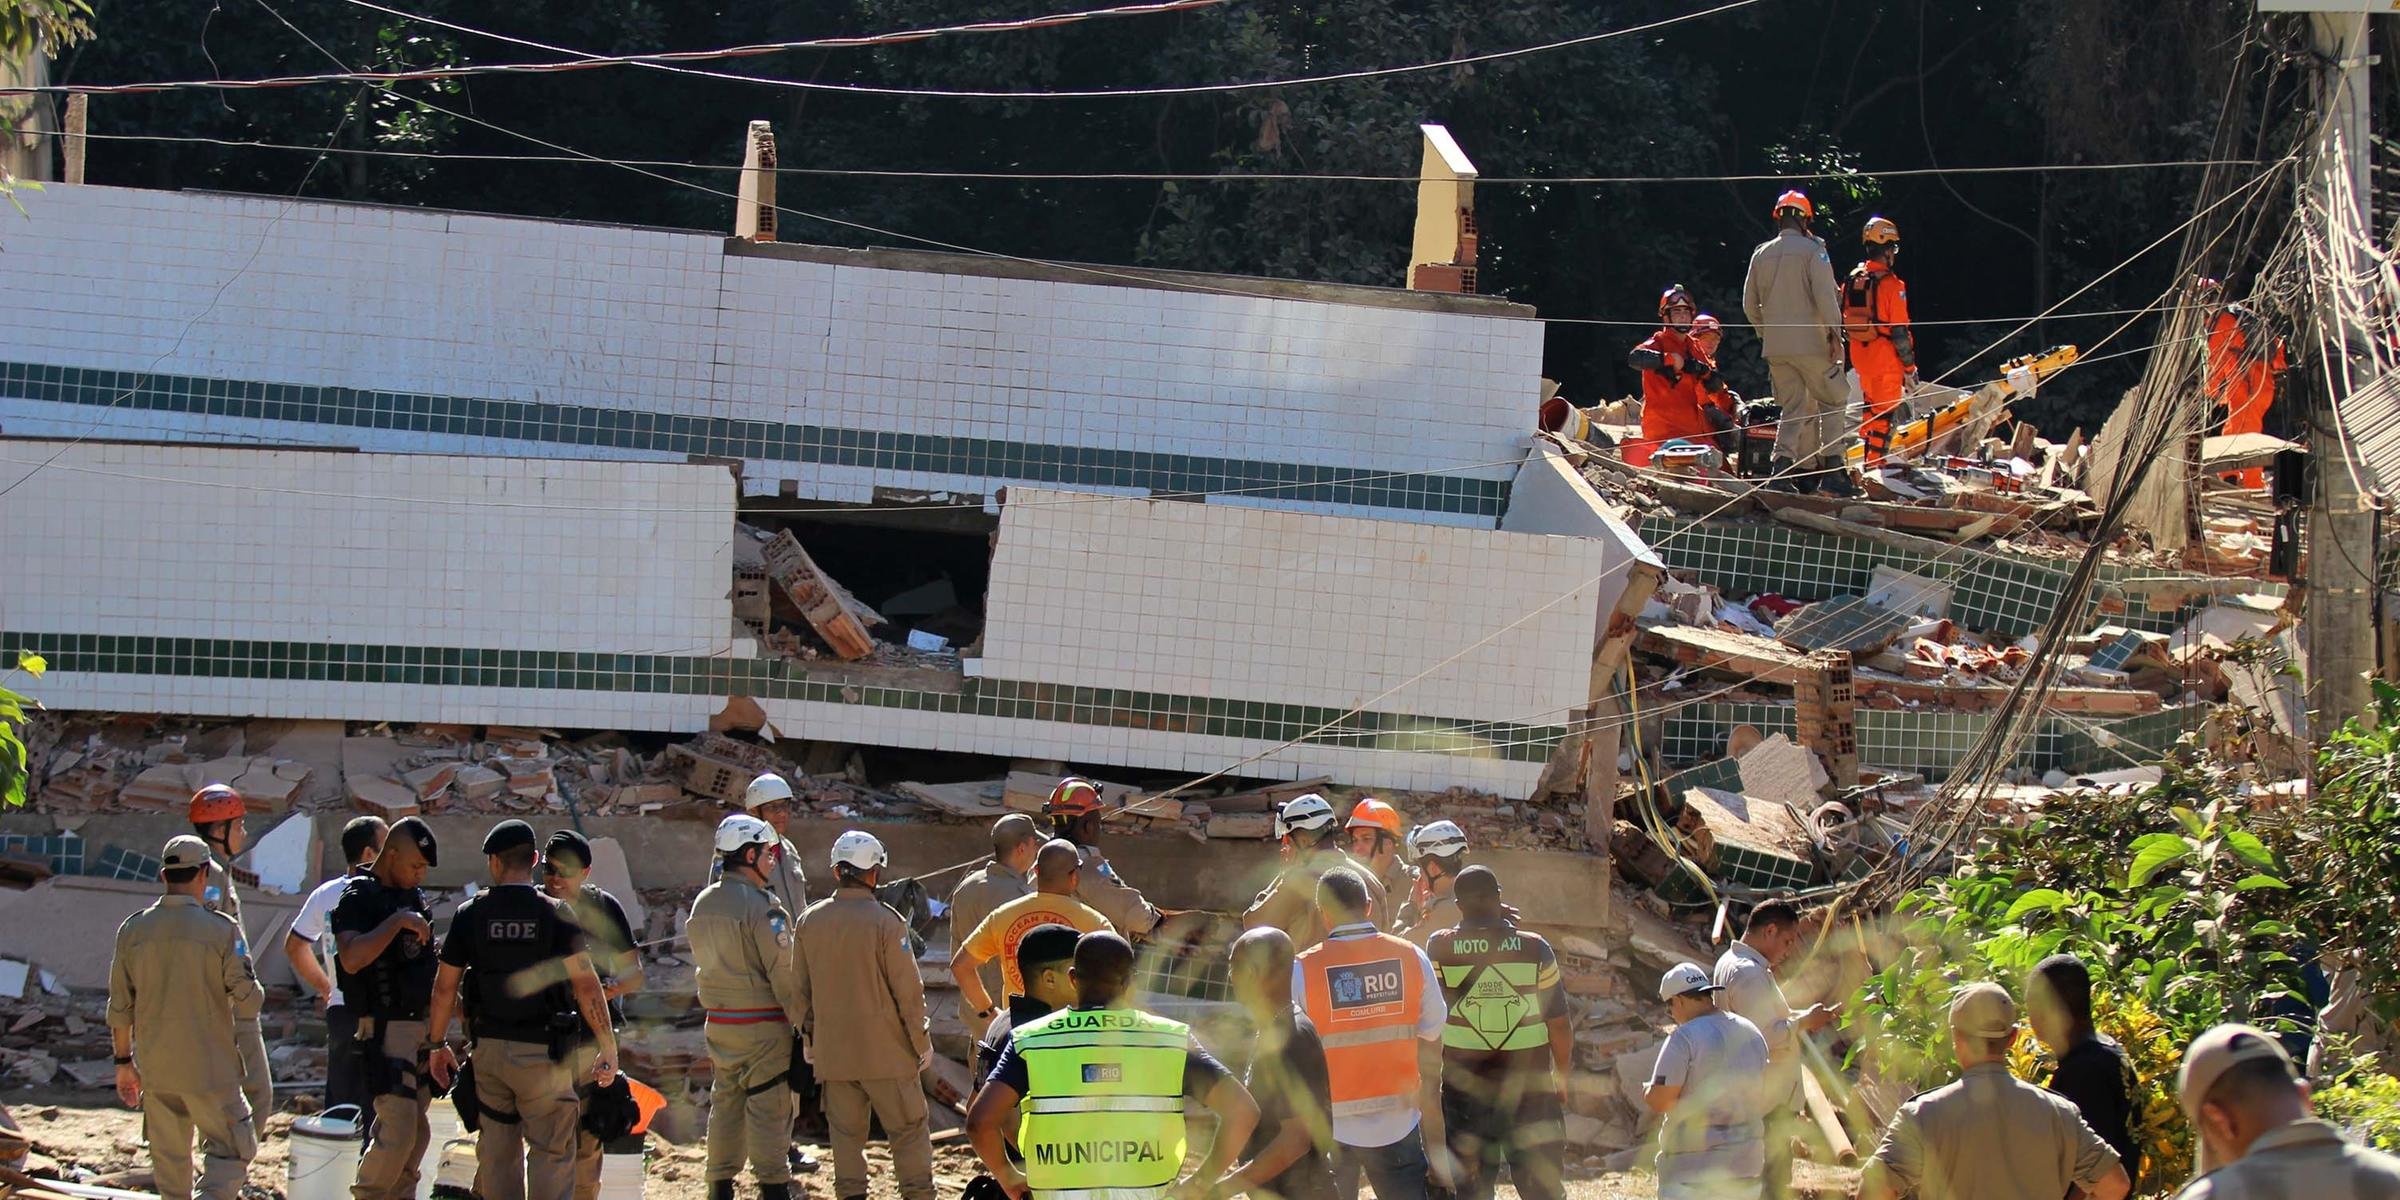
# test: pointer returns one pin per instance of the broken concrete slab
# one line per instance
(1240, 825)
(1843, 623)
(611, 872)
(1901, 591)
(379, 797)
(286, 857)
(1777, 770)
(980, 798)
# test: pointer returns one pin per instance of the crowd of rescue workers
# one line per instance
(1815, 332)
(1403, 1026)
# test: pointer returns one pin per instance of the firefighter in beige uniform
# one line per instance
(862, 1022)
(741, 938)
(179, 984)
(216, 816)
(1075, 812)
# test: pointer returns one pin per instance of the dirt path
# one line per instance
(89, 1131)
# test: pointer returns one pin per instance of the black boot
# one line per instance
(720, 1189)
(774, 1191)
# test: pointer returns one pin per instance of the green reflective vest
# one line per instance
(1102, 1118)
(1491, 976)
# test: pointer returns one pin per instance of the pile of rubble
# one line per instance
(99, 764)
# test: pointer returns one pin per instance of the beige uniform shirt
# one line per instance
(1440, 913)
(222, 896)
(180, 979)
(1112, 897)
(2305, 1160)
(1990, 1136)
(741, 941)
(984, 889)
(861, 1003)
(1791, 297)
(1290, 903)
(788, 881)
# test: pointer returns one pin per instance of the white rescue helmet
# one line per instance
(1309, 812)
(742, 829)
(1439, 839)
(765, 790)
(859, 850)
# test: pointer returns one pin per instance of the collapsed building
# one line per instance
(466, 514)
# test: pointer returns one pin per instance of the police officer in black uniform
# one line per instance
(385, 966)
(531, 1000)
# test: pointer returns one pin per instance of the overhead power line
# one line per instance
(1226, 177)
(586, 60)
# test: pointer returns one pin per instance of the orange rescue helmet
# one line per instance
(1706, 324)
(1073, 797)
(1880, 231)
(1794, 200)
(215, 803)
(1674, 295)
(1372, 813)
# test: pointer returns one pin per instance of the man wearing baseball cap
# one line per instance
(1708, 1086)
(2258, 1134)
(1989, 1135)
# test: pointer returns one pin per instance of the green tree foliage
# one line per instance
(2191, 908)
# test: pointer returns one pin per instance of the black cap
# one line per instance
(507, 836)
(1046, 944)
(571, 844)
(1476, 883)
(416, 830)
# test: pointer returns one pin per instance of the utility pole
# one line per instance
(2341, 522)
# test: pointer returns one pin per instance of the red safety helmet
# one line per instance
(215, 803)
(1794, 199)
(1705, 323)
(1372, 813)
(1674, 295)
(1073, 797)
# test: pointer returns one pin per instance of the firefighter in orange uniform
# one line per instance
(1379, 1008)
(2241, 371)
(1673, 377)
(1884, 352)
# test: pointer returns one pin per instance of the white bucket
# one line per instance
(324, 1159)
(620, 1176)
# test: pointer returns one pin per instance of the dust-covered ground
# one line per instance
(82, 1131)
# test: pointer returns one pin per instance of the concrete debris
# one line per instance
(830, 609)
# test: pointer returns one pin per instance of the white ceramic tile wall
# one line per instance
(406, 300)
(1246, 604)
(375, 549)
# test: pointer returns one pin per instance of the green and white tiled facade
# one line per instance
(185, 316)
(314, 584)
(1992, 592)
(1932, 743)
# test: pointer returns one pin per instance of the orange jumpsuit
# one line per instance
(1672, 397)
(2243, 381)
(1875, 315)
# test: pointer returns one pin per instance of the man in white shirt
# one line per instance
(1746, 972)
(1378, 1005)
(309, 947)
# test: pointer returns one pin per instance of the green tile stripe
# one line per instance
(1930, 742)
(776, 679)
(1993, 592)
(770, 441)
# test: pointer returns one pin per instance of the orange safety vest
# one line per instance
(1365, 995)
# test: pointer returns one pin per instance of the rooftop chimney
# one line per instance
(1443, 256)
(754, 212)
